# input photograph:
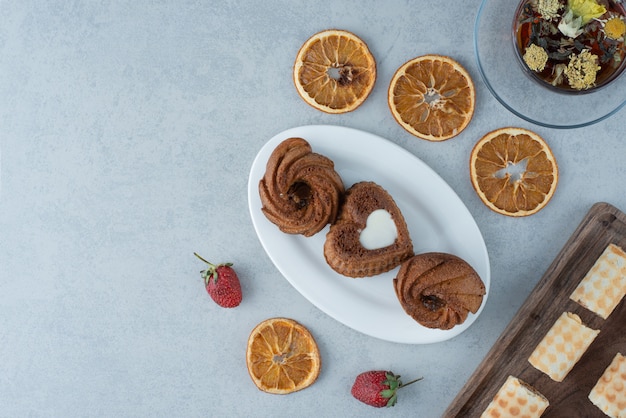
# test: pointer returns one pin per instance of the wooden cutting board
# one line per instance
(603, 224)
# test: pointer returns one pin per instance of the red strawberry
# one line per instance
(378, 388)
(222, 284)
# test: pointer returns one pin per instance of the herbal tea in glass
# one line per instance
(574, 46)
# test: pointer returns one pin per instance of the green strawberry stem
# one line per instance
(211, 272)
(394, 383)
(412, 381)
(210, 264)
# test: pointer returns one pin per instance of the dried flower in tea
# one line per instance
(571, 25)
(614, 28)
(586, 9)
(573, 45)
(548, 9)
(582, 69)
(536, 57)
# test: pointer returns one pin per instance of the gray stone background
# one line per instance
(127, 131)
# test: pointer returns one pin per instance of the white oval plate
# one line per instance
(436, 217)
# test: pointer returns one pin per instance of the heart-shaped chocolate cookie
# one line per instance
(370, 235)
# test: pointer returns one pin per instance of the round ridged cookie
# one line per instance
(438, 290)
(300, 190)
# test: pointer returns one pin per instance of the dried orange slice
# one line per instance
(432, 97)
(282, 356)
(334, 71)
(513, 171)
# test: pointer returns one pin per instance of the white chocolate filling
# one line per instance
(380, 230)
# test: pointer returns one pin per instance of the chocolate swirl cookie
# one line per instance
(300, 190)
(438, 290)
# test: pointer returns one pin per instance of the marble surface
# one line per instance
(127, 131)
